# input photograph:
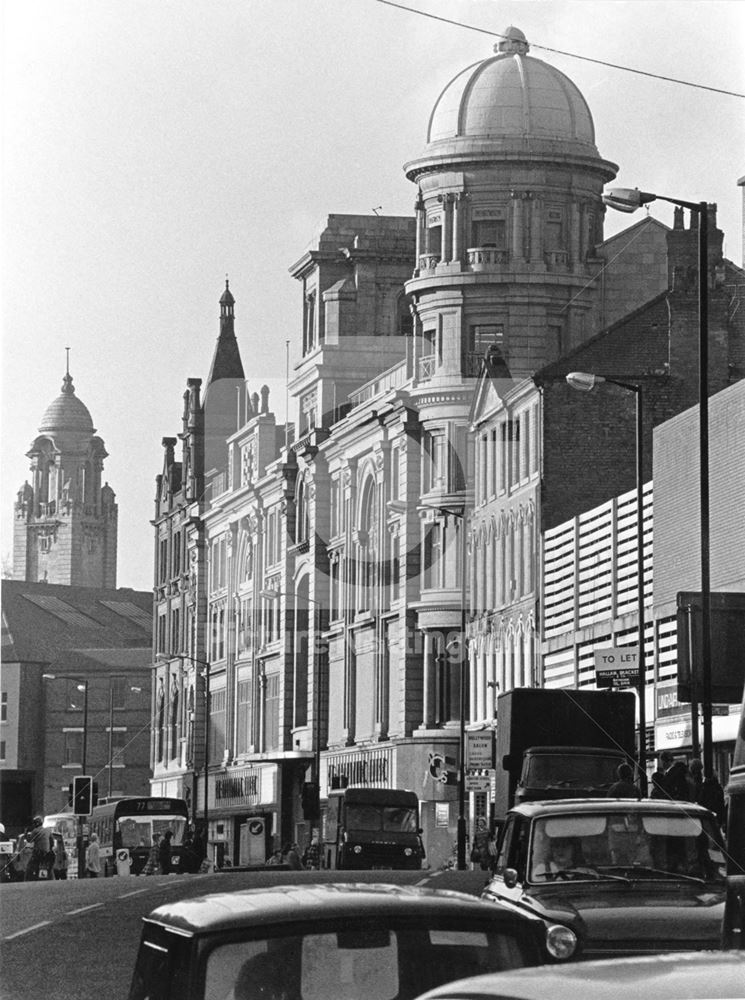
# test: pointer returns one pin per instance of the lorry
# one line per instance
(368, 828)
(560, 743)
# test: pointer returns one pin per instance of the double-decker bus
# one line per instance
(131, 824)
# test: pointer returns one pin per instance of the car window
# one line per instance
(367, 962)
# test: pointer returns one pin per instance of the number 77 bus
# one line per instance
(131, 824)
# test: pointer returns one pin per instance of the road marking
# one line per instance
(82, 909)
(135, 892)
(27, 930)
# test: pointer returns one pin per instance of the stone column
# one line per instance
(429, 681)
(517, 250)
(457, 225)
(447, 228)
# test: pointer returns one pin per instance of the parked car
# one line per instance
(628, 877)
(329, 942)
(678, 976)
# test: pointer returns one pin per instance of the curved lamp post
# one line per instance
(400, 507)
(629, 200)
(586, 382)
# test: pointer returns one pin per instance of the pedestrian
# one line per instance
(275, 859)
(152, 865)
(712, 797)
(659, 777)
(312, 855)
(696, 778)
(93, 858)
(38, 838)
(165, 851)
(480, 849)
(291, 857)
(624, 787)
(678, 782)
(59, 868)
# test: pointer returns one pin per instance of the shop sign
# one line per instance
(478, 782)
(479, 750)
(239, 787)
(366, 769)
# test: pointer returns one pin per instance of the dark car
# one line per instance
(328, 942)
(628, 877)
(677, 976)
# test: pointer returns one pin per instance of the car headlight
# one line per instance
(357, 849)
(561, 942)
(408, 852)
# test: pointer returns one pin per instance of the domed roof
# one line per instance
(512, 96)
(67, 412)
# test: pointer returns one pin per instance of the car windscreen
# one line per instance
(364, 960)
(138, 831)
(625, 842)
(374, 818)
(557, 770)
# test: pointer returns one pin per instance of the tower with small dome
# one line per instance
(65, 526)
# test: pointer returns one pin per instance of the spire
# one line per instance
(226, 361)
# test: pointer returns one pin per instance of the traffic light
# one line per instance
(309, 800)
(82, 795)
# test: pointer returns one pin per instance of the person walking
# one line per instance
(165, 852)
(59, 868)
(93, 858)
(292, 857)
(624, 787)
(152, 865)
(38, 838)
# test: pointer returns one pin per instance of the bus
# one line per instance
(733, 932)
(368, 828)
(66, 825)
(131, 823)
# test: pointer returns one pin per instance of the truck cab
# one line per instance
(369, 828)
(733, 933)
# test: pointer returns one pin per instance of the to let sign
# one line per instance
(617, 666)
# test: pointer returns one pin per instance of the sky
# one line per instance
(152, 147)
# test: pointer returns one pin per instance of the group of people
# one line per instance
(290, 856)
(40, 854)
(674, 779)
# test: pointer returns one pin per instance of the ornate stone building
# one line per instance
(65, 528)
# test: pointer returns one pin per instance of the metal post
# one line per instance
(703, 361)
(206, 757)
(111, 735)
(463, 694)
(642, 678)
(81, 849)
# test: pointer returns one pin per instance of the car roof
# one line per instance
(574, 806)
(337, 900)
(674, 976)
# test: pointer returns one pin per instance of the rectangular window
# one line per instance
(434, 241)
(175, 631)
(243, 732)
(74, 747)
(177, 554)
(218, 702)
(163, 560)
(118, 746)
(271, 713)
(335, 514)
(2, 749)
(489, 233)
(432, 555)
(119, 690)
(4, 707)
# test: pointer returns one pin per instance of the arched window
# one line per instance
(302, 516)
(367, 547)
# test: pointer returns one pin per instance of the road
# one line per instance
(77, 940)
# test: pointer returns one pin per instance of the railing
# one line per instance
(394, 377)
(429, 261)
(427, 367)
(480, 257)
(48, 509)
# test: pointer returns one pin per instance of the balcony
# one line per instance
(426, 368)
(428, 262)
(393, 378)
(486, 258)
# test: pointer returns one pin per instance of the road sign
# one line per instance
(478, 782)
(480, 750)
(617, 666)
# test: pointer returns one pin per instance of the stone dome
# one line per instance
(509, 100)
(67, 412)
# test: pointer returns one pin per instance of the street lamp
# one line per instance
(205, 674)
(271, 595)
(586, 382)
(82, 685)
(400, 507)
(628, 200)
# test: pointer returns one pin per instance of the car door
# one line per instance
(509, 872)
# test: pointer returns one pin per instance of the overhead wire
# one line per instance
(561, 52)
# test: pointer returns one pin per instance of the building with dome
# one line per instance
(331, 612)
(65, 528)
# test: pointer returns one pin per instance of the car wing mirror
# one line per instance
(510, 878)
